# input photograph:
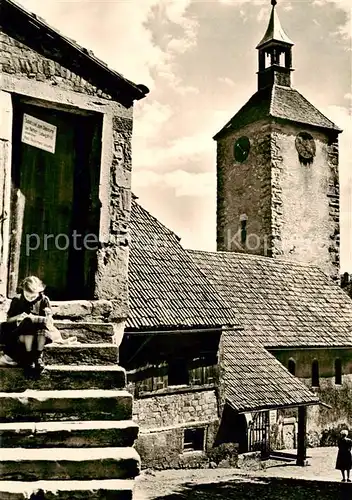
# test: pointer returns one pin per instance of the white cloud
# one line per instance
(344, 30)
(183, 150)
(150, 116)
(118, 31)
(182, 183)
(239, 2)
(226, 81)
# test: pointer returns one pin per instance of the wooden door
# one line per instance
(48, 200)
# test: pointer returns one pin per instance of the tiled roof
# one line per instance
(255, 379)
(284, 303)
(34, 32)
(284, 103)
(166, 288)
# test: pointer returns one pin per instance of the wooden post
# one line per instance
(5, 184)
(301, 443)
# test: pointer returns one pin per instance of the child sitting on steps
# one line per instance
(28, 325)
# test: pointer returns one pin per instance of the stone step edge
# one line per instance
(78, 344)
(46, 427)
(67, 454)
(67, 322)
(84, 368)
(28, 488)
(66, 394)
(73, 368)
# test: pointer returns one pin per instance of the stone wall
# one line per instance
(173, 409)
(244, 188)
(162, 420)
(338, 396)
(46, 83)
(19, 60)
(321, 419)
(326, 359)
(162, 448)
(292, 209)
(305, 200)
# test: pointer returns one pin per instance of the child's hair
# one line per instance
(32, 284)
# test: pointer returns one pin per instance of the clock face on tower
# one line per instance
(241, 149)
(305, 146)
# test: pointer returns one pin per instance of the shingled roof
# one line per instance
(35, 33)
(277, 102)
(285, 304)
(255, 380)
(166, 288)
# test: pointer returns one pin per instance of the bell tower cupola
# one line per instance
(275, 54)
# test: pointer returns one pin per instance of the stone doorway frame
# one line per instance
(54, 98)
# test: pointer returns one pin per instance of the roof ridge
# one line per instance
(239, 110)
(261, 257)
(139, 90)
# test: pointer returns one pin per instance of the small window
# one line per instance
(178, 372)
(292, 366)
(193, 439)
(338, 372)
(243, 221)
(315, 373)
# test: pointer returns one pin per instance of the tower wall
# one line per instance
(305, 200)
(244, 189)
(292, 208)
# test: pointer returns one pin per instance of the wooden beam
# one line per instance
(302, 430)
(5, 184)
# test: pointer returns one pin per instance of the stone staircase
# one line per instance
(69, 434)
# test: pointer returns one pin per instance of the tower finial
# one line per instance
(273, 2)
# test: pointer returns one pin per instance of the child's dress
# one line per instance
(344, 457)
(11, 332)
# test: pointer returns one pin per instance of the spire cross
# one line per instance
(273, 2)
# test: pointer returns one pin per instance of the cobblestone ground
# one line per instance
(275, 481)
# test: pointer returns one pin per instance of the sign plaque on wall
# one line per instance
(38, 133)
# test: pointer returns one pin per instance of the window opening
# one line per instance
(338, 372)
(292, 366)
(315, 373)
(193, 439)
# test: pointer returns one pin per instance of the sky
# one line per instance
(199, 61)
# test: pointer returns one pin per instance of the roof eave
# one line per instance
(250, 408)
(30, 24)
(334, 128)
(266, 43)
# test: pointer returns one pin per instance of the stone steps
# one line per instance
(39, 406)
(84, 354)
(106, 489)
(78, 434)
(68, 434)
(55, 377)
(80, 354)
(87, 332)
(18, 464)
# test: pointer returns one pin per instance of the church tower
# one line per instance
(277, 168)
